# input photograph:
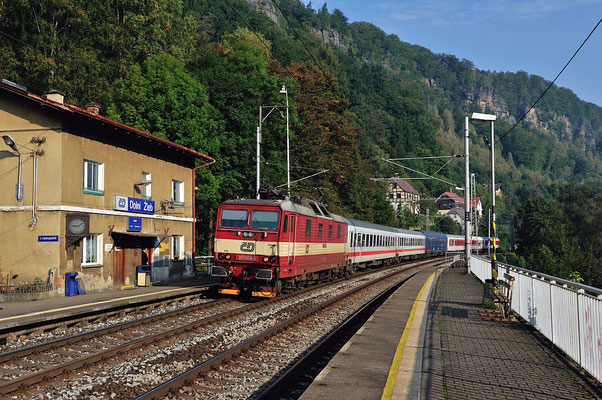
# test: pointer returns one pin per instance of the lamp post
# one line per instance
(491, 118)
(19, 188)
(288, 169)
(467, 241)
(259, 139)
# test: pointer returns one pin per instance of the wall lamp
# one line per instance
(19, 189)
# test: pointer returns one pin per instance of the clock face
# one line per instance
(77, 226)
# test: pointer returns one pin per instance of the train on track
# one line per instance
(265, 247)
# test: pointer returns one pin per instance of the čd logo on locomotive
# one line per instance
(247, 247)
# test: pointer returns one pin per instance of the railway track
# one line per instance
(276, 361)
(25, 373)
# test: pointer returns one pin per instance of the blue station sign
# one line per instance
(48, 238)
(134, 224)
(132, 204)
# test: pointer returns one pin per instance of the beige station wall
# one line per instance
(60, 185)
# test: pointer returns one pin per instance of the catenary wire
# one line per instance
(551, 83)
(301, 40)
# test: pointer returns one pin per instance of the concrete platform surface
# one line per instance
(361, 369)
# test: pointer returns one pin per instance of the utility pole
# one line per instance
(466, 196)
(489, 229)
(491, 118)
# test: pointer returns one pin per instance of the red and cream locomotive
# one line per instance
(264, 246)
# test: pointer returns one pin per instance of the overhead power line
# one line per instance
(249, 26)
(299, 37)
(551, 83)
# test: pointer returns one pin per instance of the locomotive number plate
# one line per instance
(244, 257)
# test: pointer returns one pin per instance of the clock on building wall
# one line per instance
(78, 225)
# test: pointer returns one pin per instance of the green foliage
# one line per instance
(561, 236)
(192, 71)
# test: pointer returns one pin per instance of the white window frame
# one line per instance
(99, 248)
(177, 241)
(177, 192)
(146, 188)
(100, 182)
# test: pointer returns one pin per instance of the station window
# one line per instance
(177, 192)
(177, 247)
(146, 185)
(94, 177)
(319, 230)
(92, 250)
(308, 227)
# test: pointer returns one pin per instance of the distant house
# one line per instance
(449, 201)
(499, 189)
(477, 206)
(457, 215)
(401, 193)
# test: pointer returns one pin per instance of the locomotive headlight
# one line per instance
(220, 256)
(266, 259)
(228, 256)
(273, 259)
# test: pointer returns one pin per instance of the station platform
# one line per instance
(23, 314)
(428, 341)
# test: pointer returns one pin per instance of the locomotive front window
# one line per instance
(264, 219)
(234, 218)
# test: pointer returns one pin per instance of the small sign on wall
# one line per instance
(108, 247)
(134, 224)
(48, 238)
(163, 248)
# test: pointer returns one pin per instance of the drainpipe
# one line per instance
(34, 200)
(194, 203)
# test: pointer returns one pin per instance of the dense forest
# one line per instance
(196, 72)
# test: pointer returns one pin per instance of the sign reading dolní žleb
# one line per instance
(132, 204)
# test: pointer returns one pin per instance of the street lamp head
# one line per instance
(483, 117)
(283, 90)
(10, 143)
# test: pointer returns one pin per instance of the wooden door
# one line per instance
(118, 266)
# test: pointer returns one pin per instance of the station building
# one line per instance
(83, 193)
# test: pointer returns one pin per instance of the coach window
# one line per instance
(285, 224)
(338, 231)
(292, 230)
(329, 231)
(319, 230)
(308, 227)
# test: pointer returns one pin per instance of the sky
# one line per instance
(536, 36)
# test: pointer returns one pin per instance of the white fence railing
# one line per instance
(567, 313)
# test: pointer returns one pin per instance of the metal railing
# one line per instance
(567, 313)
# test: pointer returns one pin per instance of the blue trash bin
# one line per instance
(71, 284)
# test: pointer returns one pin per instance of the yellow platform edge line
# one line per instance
(392, 378)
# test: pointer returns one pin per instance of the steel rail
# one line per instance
(211, 364)
(62, 342)
(299, 369)
(93, 315)
(52, 372)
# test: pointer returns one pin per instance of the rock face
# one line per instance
(558, 125)
(330, 36)
(266, 7)
(488, 98)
